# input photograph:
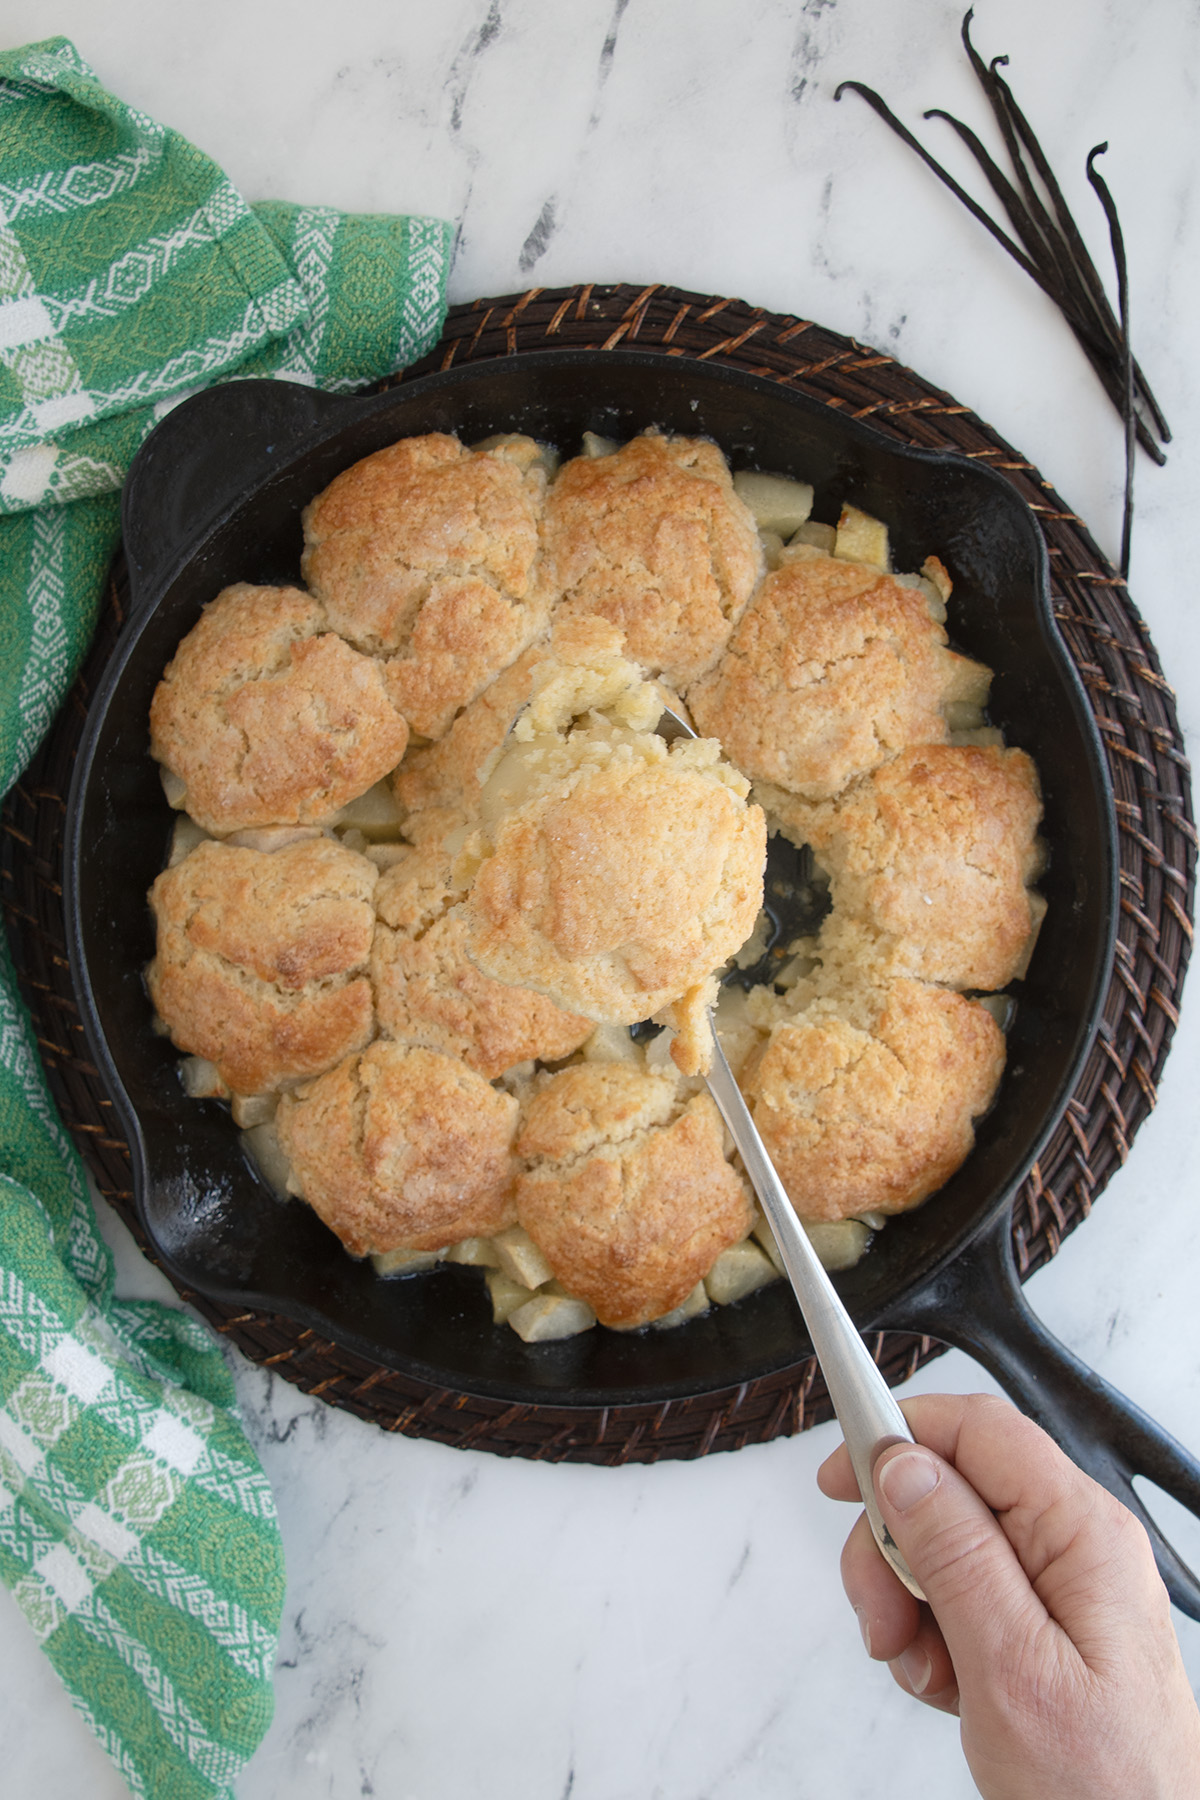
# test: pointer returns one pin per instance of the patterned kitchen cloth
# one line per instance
(137, 1529)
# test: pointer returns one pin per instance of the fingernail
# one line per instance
(864, 1625)
(908, 1478)
(917, 1669)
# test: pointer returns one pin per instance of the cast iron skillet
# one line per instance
(215, 496)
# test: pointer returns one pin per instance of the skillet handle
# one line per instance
(977, 1305)
(199, 461)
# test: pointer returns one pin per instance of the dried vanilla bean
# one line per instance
(1118, 250)
(1047, 244)
(1017, 133)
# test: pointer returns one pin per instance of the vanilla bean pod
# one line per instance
(1018, 137)
(878, 104)
(1049, 248)
(1098, 335)
(1118, 249)
(1101, 348)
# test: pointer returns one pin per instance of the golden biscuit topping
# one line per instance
(834, 667)
(429, 992)
(865, 1097)
(261, 965)
(265, 718)
(654, 539)
(627, 1189)
(930, 859)
(402, 1147)
(427, 555)
(611, 871)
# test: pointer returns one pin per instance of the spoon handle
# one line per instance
(869, 1416)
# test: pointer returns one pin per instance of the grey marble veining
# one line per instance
(458, 1625)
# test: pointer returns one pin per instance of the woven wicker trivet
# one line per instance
(1135, 713)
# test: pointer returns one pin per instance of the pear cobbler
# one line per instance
(433, 862)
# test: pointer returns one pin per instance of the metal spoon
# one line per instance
(867, 1413)
(869, 1416)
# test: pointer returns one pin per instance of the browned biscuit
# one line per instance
(261, 963)
(622, 884)
(654, 538)
(929, 859)
(832, 668)
(268, 719)
(865, 1100)
(402, 1148)
(426, 553)
(627, 1189)
(427, 991)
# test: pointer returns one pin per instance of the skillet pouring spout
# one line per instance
(976, 1303)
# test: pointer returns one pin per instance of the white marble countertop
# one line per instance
(457, 1624)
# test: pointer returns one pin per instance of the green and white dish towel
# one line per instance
(137, 1529)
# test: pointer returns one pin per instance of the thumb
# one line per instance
(956, 1548)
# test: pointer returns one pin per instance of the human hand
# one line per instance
(1048, 1629)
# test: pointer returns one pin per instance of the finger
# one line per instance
(966, 1566)
(1074, 1541)
(924, 1670)
(836, 1478)
(940, 1417)
(888, 1615)
(895, 1628)
(936, 1420)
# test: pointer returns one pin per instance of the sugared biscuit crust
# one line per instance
(261, 964)
(402, 1147)
(833, 667)
(429, 992)
(626, 1189)
(654, 539)
(269, 719)
(866, 1100)
(426, 554)
(930, 858)
(621, 887)
(447, 773)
